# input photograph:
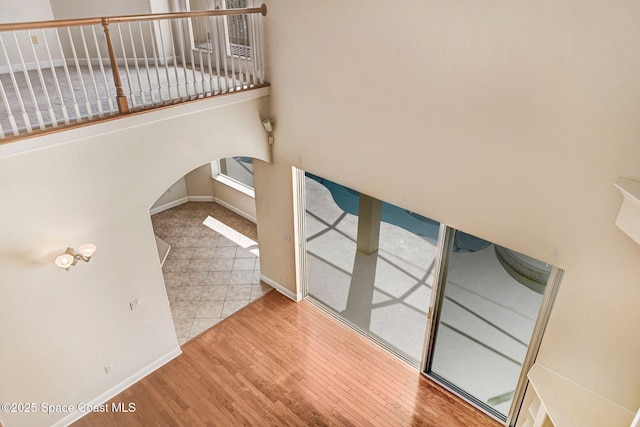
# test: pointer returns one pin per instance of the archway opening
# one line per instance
(205, 227)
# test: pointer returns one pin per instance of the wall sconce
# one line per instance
(268, 126)
(71, 256)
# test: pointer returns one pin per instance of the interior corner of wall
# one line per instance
(294, 296)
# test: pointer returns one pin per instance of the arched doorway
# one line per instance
(211, 268)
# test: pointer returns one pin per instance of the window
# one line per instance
(236, 172)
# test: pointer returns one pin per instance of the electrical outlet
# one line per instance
(34, 39)
(108, 368)
(135, 304)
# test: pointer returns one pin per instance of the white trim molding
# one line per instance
(120, 387)
(299, 230)
(18, 68)
(238, 186)
(169, 205)
(184, 200)
(201, 199)
(628, 219)
(297, 297)
(235, 210)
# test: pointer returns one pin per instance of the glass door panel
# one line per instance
(490, 301)
(371, 263)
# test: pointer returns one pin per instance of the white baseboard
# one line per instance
(169, 205)
(43, 65)
(278, 287)
(120, 61)
(120, 387)
(163, 250)
(235, 210)
(202, 199)
(184, 200)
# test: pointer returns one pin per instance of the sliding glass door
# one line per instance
(486, 307)
(469, 312)
(371, 263)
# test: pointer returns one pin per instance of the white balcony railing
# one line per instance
(59, 73)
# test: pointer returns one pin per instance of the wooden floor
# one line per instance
(279, 363)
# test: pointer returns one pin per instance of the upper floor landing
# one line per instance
(62, 73)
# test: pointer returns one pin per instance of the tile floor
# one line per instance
(207, 276)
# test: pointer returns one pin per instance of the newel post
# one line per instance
(121, 99)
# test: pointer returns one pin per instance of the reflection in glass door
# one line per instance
(470, 313)
(486, 310)
(371, 264)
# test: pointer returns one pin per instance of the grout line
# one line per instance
(185, 217)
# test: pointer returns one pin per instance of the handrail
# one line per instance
(56, 72)
(59, 23)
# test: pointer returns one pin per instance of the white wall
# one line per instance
(198, 181)
(241, 203)
(508, 120)
(68, 9)
(198, 186)
(176, 193)
(72, 9)
(24, 11)
(28, 10)
(96, 184)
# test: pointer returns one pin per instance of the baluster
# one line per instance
(175, 63)
(135, 64)
(219, 55)
(196, 91)
(76, 107)
(222, 49)
(238, 56)
(154, 41)
(253, 49)
(146, 64)
(143, 101)
(209, 53)
(202, 72)
(239, 49)
(236, 40)
(238, 26)
(43, 84)
(28, 82)
(230, 51)
(91, 72)
(183, 56)
(261, 37)
(114, 69)
(5, 100)
(132, 96)
(247, 50)
(166, 61)
(56, 82)
(7, 105)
